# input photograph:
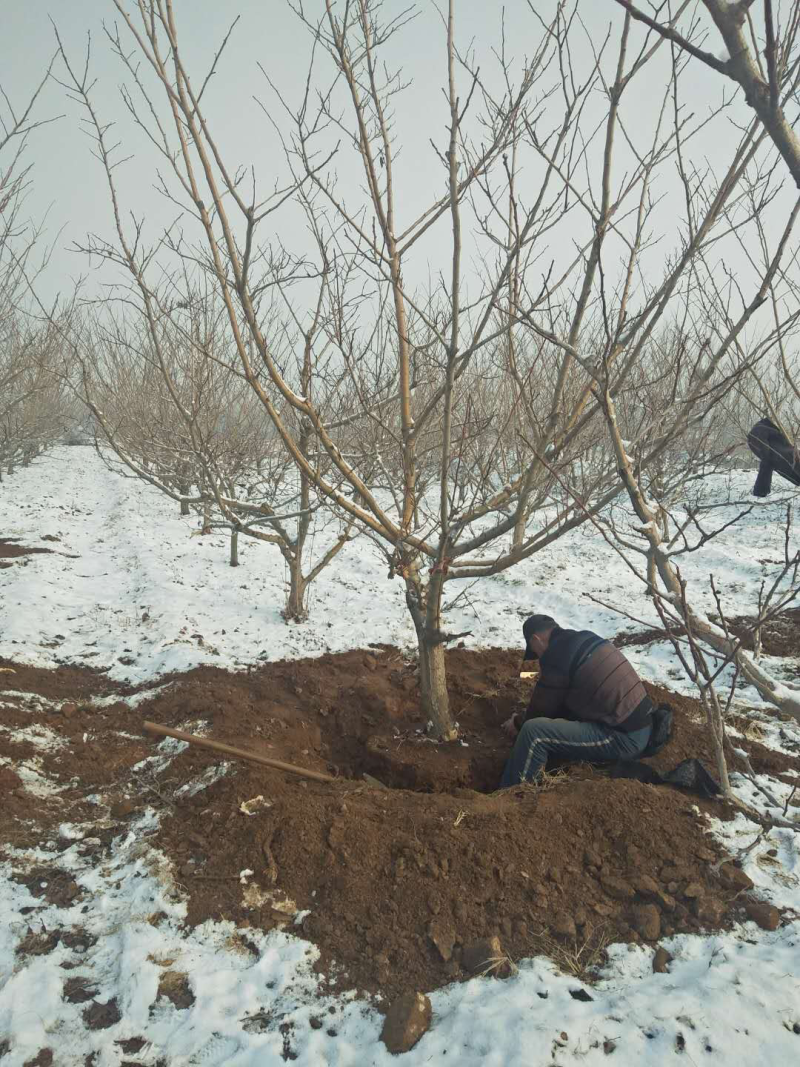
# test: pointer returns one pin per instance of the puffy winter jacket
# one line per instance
(585, 678)
(775, 453)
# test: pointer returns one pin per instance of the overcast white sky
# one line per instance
(69, 184)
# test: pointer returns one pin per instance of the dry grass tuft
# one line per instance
(582, 957)
(500, 967)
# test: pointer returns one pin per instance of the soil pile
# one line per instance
(396, 883)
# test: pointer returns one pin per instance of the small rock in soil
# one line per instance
(764, 915)
(481, 954)
(617, 889)
(69, 709)
(564, 925)
(735, 877)
(694, 891)
(661, 960)
(647, 921)
(406, 1021)
(646, 886)
(443, 937)
(709, 910)
(608, 1047)
(665, 901)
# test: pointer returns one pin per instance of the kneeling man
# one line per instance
(589, 703)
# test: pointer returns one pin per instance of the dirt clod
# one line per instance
(661, 960)
(617, 889)
(131, 1045)
(564, 925)
(408, 1018)
(79, 990)
(102, 1016)
(581, 994)
(735, 877)
(174, 985)
(709, 911)
(44, 1058)
(482, 954)
(646, 921)
(693, 891)
(762, 914)
(443, 937)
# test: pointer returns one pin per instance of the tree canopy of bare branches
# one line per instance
(440, 372)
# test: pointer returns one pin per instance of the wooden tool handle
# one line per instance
(237, 753)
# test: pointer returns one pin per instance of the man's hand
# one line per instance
(510, 727)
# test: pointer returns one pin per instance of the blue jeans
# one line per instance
(590, 742)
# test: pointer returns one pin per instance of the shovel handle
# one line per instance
(237, 753)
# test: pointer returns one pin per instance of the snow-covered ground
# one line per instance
(131, 589)
(128, 582)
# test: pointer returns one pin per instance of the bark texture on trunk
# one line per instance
(424, 603)
(433, 689)
(295, 610)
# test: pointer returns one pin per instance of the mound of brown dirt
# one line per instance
(398, 881)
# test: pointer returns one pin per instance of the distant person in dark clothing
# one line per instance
(776, 453)
(589, 703)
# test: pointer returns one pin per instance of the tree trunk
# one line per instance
(234, 547)
(295, 610)
(425, 605)
(716, 730)
(183, 489)
(433, 689)
(206, 527)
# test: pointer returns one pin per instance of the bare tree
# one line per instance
(32, 410)
(173, 413)
(456, 413)
(761, 57)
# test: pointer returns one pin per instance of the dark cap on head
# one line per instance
(536, 624)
